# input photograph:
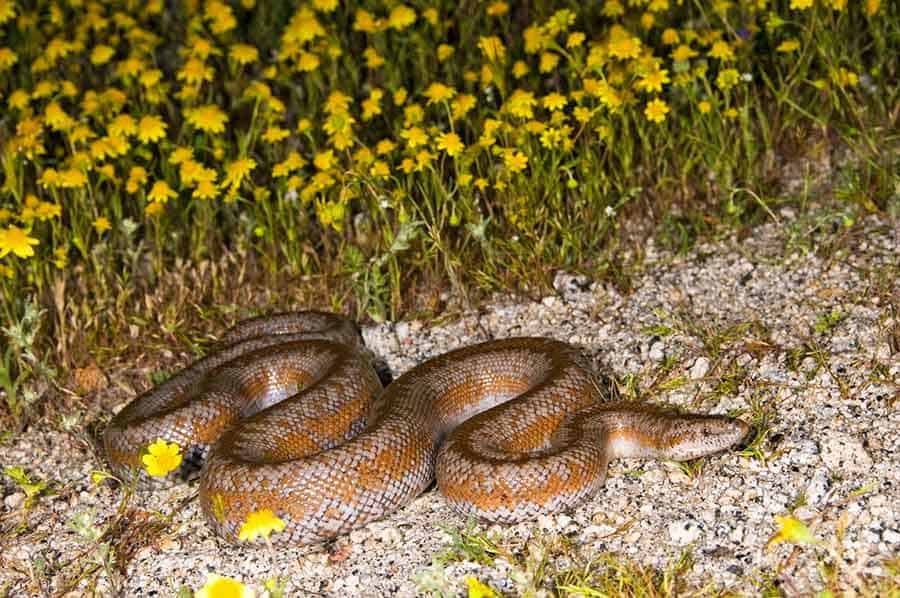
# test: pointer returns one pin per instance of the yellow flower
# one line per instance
(727, 79)
(209, 118)
(656, 110)
(161, 192)
(384, 147)
(195, 71)
(653, 81)
(554, 101)
(521, 103)
(438, 92)
(792, 531)
(801, 4)
(575, 39)
(444, 51)
(180, 155)
(721, 50)
(622, 44)
(497, 9)
(122, 125)
(414, 137)
(7, 10)
(303, 125)
(548, 63)
(260, 523)
(56, 118)
(401, 17)
(243, 53)
(462, 105)
(101, 224)
(324, 160)
(274, 134)
(515, 160)
(72, 178)
(237, 171)
(18, 99)
(337, 102)
(478, 589)
(373, 58)
(450, 143)
(151, 128)
(364, 21)
(217, 586)
(325, 5)
(136, 177)
(872, 7)
(206, 189)
(101, 54)
(704, 106)
(14, 239)
(161, 458)
(493, 49)
(788, 46)
(400, 96)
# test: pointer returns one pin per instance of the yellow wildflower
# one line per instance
(554, 101)
(788, 46)
(101, 54)
(324, 160)
(801, 4)
(161, 192)
(497, 9)
(521, 103)
(493, 49)
(364, 21)
(151, 128)
(653, 81)
(401, 17)
(217, 586)
(548, 63)
(791, 530)
(721, 50)
(15, 240)
(161, 458)
(444, 51)
(373, 58)
(438, 92)
(414, 137)
(209, 118)
(514, 160)
(727, 79)
(237, 171)
(260, 523)
(622, 44)
(450, 143)
(101, 224)
(274, 134)
(656, 110)
(243, 54)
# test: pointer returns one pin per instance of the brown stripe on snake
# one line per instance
(510, 428)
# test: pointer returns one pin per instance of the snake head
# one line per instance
(692, 436)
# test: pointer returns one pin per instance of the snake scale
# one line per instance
(289, 414)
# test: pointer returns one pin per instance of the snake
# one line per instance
(288, 414)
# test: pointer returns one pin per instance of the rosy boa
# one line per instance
(289, 415)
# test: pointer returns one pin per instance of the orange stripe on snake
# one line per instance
(290, 415)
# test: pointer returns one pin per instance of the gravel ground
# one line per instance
(761, 324)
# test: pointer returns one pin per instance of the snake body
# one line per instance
(289, 415)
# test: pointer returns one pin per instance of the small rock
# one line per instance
(845, 455)
(14, 501)
(818, 487)
(891, 536)
(684, 532)
(657, 352)
(700, 368)
(402, 331)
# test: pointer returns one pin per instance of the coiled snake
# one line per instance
(290, 415)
